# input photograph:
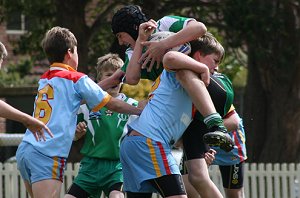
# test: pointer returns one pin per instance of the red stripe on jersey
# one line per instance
(69, 75)
(164, 158)
(62, 161)
(237, 143)
(194, 110)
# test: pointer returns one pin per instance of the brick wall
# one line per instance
(4, 38)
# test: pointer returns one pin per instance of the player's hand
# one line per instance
(155, 52)
(38, 128)
(80, 130)
(205, 77)
(146, 29)
(209, 156)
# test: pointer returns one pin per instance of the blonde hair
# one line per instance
(108, 62)
(3, 51)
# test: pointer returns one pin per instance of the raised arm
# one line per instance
(133, 72)
(156, 50)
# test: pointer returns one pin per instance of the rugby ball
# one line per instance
(185, 48)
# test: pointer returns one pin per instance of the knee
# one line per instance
(183, 75)
(197, 179)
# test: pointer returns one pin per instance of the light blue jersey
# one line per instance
(60, 92)
(168, 112)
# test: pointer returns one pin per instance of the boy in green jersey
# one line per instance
(100, 168)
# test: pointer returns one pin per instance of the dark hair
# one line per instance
(128, 19)
(57, 42)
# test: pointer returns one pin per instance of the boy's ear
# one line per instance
(68, 54)
(197, 55)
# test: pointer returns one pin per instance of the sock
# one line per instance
(213, 120)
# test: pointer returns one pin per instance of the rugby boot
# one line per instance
(219, 137)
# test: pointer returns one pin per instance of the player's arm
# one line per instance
(231, 122)
(178, 61)
(122, 107)
(156, 50)
(36, 126)
(133, 72)
(112, 81)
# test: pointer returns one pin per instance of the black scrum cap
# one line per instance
(128, 19)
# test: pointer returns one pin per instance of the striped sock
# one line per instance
(214, 119)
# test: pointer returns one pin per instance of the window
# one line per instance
(15, 23)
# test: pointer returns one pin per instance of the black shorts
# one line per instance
(77, 191)
(193, 145)
(167, 185)
(233, 176)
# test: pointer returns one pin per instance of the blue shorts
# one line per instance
(35, 166)
(143, 159)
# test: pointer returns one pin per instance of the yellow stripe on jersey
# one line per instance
(231, 108)
(153, 158)
(54, 168)
(105, 100)
(167, 69)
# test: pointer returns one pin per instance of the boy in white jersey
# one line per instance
(34, 125)
(101, 169)
(125, 25)
(61, 91)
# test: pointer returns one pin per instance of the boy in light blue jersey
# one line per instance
(148, 165)
(221, 91)
(61, 91)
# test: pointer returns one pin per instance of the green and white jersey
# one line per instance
(105, 130)
(221, 92)
(167, 23)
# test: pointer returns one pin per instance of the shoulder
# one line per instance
(68, 75)
(221, 77)
(172, 23)
(174, 18)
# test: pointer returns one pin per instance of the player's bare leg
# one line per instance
(199, 178)
(47, 188)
